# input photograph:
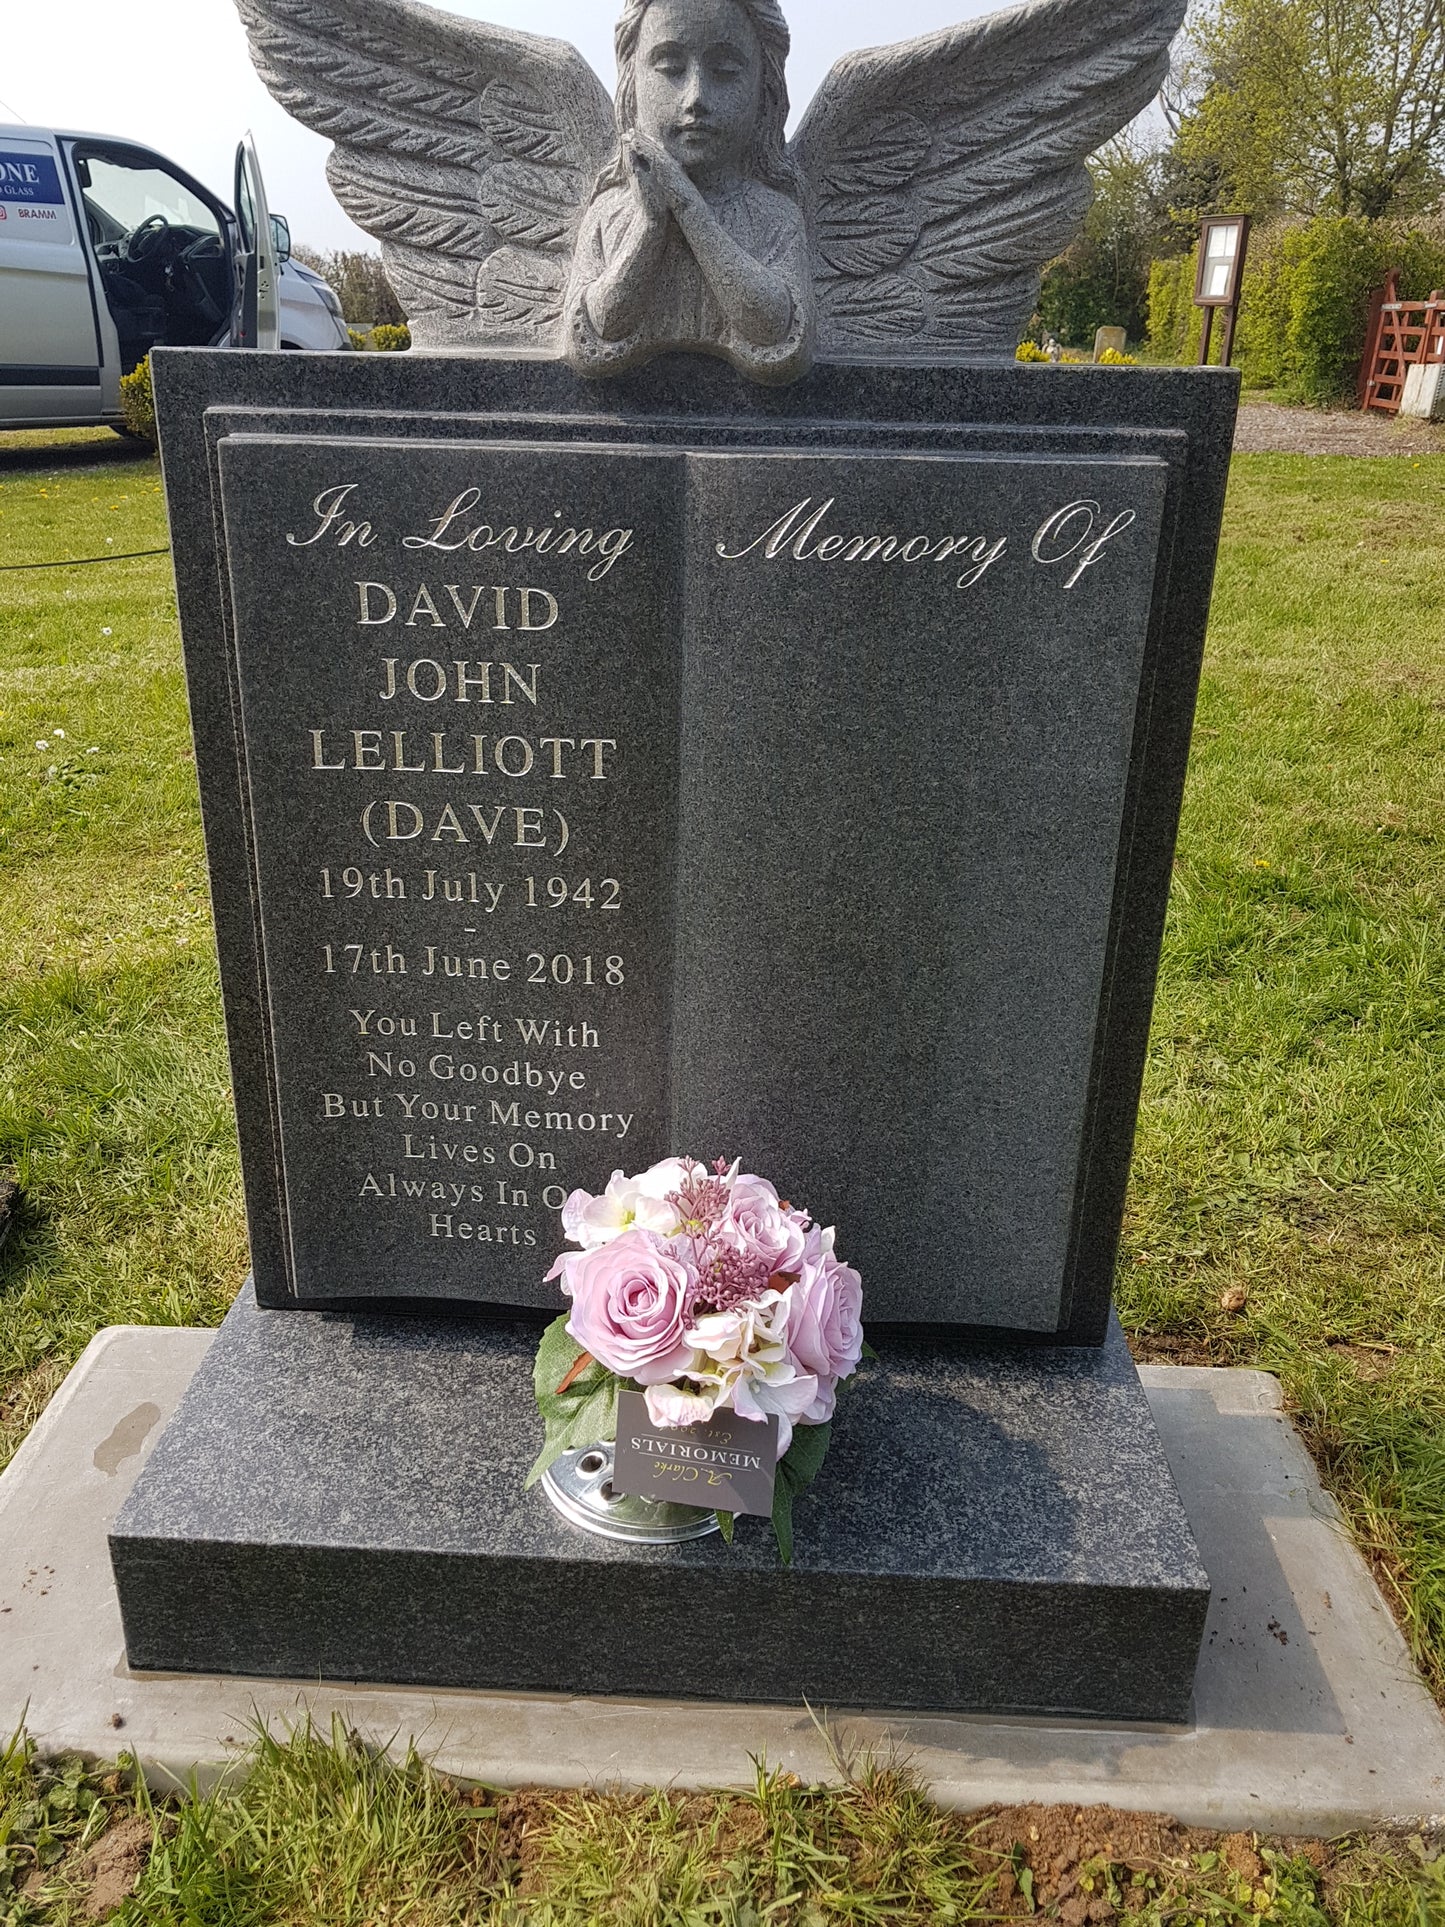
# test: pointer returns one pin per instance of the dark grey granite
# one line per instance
(341, 1498)
(452, 1054)
(901, 805)
(922, 835)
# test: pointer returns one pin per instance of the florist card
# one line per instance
(726, 1463)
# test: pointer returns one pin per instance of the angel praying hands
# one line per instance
(521, 212)
(694, 236)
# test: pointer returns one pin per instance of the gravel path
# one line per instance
(1265, 428)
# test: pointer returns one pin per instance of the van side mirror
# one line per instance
(281, 237)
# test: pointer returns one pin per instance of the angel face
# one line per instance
(699, 83)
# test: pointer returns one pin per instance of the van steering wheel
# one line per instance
(144, 241)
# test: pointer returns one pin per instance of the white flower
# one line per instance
(818, 1243)
(660, 1180)
(628, 1204)
(747, 1358)
(43, 743)
(57, 732)
(669, 1405)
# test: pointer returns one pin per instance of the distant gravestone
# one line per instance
(1110, 341)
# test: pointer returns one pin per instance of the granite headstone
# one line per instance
(772, 750)
(843, 849)
(864, 749)
(341, 1498)
(779, 815)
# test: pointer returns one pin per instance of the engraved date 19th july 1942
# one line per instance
(471, 891)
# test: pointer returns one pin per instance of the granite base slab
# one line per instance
(1309, 1715)
(342, 1497)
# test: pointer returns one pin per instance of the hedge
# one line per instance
(1305, 301)
(138, 403)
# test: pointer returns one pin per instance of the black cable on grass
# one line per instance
(81, 561)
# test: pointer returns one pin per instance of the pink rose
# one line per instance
(757, 1225)
(629, 1306)
(825, 1328)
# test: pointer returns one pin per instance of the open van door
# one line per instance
(258, 267)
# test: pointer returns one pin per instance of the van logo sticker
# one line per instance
(32, 178)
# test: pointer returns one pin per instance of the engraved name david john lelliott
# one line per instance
(520, 209)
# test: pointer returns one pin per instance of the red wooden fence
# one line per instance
(1400, 335)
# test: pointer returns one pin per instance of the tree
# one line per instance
(360, 284)
(1311, 107)
(1102, 278)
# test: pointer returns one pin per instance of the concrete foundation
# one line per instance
(1310, 1717)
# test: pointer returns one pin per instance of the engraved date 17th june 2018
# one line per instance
(562, 970)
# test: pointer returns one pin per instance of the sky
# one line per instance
(175, 75)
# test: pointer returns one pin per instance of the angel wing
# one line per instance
(944, 171)
(466, 149)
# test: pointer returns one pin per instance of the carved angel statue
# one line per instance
(522, 212)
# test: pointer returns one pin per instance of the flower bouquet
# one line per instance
(706, 1293)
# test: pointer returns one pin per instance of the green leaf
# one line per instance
(556, 1355)
(783, 1519)
(585, 1414)
(595, 1416)
(725, 1524)
(803, 1460)
(589, 1420)
(797, 1469)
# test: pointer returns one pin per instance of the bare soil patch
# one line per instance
(113, 1865)
(1269, 428)
(1178, 1348)
(1082, 1860)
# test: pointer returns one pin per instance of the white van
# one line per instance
(108, 250)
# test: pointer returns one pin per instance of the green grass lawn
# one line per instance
(114, 1114)
(323, 1833)
(1291, 1148)
(1285, 1210)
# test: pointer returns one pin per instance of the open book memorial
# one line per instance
(605, 760)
